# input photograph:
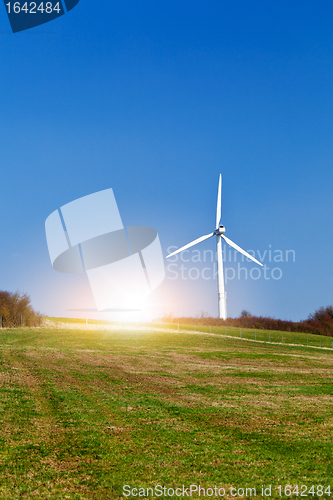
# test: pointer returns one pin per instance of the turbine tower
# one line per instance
(219, 233)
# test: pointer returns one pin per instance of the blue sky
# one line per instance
(155, 99)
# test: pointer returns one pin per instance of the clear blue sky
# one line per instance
(155, 99)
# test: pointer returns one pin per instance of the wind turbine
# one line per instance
(219, 233)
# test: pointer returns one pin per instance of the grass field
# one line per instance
(84, 412)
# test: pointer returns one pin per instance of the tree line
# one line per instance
(318, 323)
(16, 308)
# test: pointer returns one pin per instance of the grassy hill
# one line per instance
(85, 411)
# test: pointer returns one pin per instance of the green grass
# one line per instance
(84, 412)
(280, 337)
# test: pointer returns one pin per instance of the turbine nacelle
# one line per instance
(219, 230)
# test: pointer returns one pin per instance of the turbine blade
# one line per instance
(218, 208)
(236, 247)
(203, 238)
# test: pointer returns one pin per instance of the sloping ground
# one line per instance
(85, 412)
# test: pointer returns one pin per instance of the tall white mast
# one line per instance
(221, 293)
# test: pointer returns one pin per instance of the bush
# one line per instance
(13, 306)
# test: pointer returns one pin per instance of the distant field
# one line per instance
(84, 412)
(304, 339)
